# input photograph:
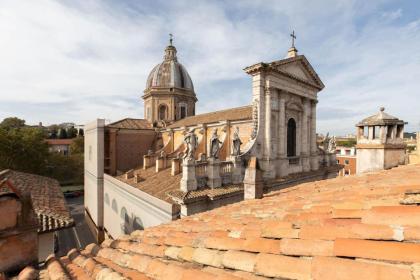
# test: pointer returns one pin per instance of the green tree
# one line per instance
(62, 134)
(77, 146)
(71, 132)
(23, 149)
(12, 123)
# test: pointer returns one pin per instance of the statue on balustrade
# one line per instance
(332, 147)
(236, 142)
(191, 142)
(215, 144)
(325, 142)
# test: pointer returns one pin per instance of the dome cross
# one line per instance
(171, 37)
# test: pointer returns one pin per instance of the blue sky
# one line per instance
(79, 60)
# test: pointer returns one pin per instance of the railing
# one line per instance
(226, 170)
(294, 160)
(201, 169)
(226, 167)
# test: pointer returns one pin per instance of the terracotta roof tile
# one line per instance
(129, 123)
(47, 199)
(234, 114)
(344, 228)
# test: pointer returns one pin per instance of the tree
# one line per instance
(81, 132)
(11, 123)
(71, 132)
(53, 131)
(77, 146)
(23, 149)
(62, 134)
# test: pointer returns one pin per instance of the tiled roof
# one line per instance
(345, 228)
(152, 183)
(59, 141)
(380, 118)
(234, 114)
(129, 123)
(47, 199)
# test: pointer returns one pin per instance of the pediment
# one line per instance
(298, 68)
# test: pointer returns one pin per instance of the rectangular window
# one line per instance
(183, 113)
(376, 132)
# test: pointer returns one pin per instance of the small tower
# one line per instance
(380, 142)
(169, 95)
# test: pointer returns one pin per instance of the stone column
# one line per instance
(268, 157)
(305, 137)
(213, 173)
(253, 181)
(188, 181)
(281, 152)
(314, 147)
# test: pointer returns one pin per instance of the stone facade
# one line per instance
(285, 97)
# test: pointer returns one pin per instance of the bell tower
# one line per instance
(169, 95)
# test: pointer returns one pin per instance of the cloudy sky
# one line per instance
(75, 60)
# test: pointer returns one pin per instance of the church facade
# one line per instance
(173, 163)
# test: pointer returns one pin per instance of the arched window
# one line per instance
(106, 199)
(291, 138)
(137, 224)
(163, 111)
(125, 223)
(114, 206)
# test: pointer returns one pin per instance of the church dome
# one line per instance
(170, 73)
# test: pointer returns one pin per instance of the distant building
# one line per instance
(414, 156)
(346, 156)
(61, 146)
(380, 143)
(33, 210)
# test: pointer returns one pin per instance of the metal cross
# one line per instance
(293, 38)
(170, 38)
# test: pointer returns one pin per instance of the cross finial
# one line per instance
(171, 37)
(293, 38)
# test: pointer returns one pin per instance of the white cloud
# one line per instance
(78, 60)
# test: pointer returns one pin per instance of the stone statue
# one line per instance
(332, 145)
(325, 142)
(236, 142)
(214, 144)
(191, 141)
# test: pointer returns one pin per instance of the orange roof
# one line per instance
(59, 141)
(129, 123)
(47, 198)
(234, 114)
(356, 227)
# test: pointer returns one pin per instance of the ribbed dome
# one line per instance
(170, 73)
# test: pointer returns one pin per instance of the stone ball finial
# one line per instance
(382, 109)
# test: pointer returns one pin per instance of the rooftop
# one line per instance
(380, 118)
(129, 123)
(47, 199)
(356, 227)
(234, 114)
(59, 141)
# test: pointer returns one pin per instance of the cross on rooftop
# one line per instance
(171, 38)
(293, 38)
